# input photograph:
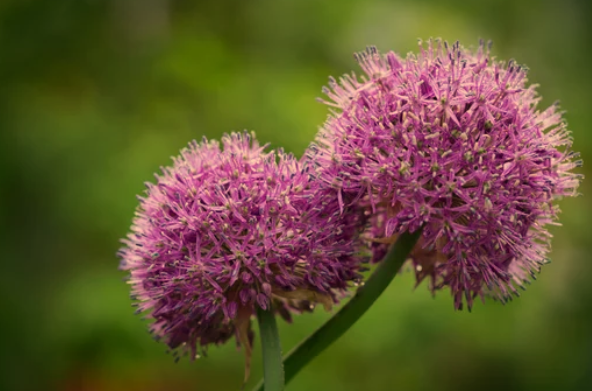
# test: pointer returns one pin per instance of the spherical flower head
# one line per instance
(228, 229)
(450, 141)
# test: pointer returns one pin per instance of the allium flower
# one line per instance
(450, 140)
(226, 230)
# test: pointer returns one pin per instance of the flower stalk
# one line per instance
(365, 296)
(273, 368)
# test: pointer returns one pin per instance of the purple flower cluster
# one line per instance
(450, 141)
(226, 230)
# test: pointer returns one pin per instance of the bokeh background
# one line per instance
(95, 95)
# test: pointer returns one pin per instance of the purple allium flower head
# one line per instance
(226, 230)
(450, 140)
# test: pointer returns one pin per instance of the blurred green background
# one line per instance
(96, 95)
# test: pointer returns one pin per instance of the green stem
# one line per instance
(273, 369)
(365, 296)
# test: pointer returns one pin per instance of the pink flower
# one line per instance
(226, 230)
(450, 140)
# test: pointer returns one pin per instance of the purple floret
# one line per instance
(226, 230)
(451, 141)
